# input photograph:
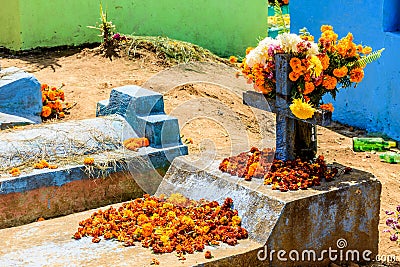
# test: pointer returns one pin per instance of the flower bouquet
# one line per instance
(315, 68)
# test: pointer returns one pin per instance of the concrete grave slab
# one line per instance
(341, 215)
(20, 94)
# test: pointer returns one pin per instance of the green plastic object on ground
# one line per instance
(390, 157)
(371, 143)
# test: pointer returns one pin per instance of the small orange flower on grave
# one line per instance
(356, 75)
(207, 254)
(295, 64)
(154, 261)
(61, 115)
(248, 50)
(88, 161)
(44, 163)
(325, 28)
(44, 86)
(340, 72)
(328, 107)
(15, 172)
(53, 166)
(38, 166)
(46, 111)
(135, 143)
(41, 219)
(329, 82)
(324, 61)
(233, 59)
(309, 88)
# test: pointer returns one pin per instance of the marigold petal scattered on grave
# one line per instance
(88, 161)
(302, 110)
(15, 172)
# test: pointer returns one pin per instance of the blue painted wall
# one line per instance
(374, 105)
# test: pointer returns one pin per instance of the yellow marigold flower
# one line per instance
(302, 110)
(171, 214)
(367, 50)
(236, 220)
(248, 50)
(164, 239)
(341, 72)
(315, 66)
(187, 220)
(46, 111)
(325, 28)
(141, 219)
(356, 75)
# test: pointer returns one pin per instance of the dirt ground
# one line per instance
(89, 78)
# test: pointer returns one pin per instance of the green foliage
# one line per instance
(362, 62)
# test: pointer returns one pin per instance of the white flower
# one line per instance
(313, 51)
(259, 55)
(289, 42)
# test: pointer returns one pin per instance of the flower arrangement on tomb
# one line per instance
(53, 99)
(283, 176)
(165, 227)
(316, 68)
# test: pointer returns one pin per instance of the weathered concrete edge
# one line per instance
(160, 159)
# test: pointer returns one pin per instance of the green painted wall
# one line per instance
(225, 26)
(10, 25)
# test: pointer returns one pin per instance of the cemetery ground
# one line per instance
(89, 78)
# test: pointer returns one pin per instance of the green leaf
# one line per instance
(362, 62)
(280, 20)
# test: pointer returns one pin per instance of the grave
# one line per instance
(337, 221)
(20, 98)
(73, 186)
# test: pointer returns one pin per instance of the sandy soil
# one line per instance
(89, 78)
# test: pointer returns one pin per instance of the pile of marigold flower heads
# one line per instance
(53, 102)
(283, 176)
(166, 227)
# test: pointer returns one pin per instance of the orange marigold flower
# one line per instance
(58, 105)
(61, 95)
(356, 75)
(329, 82)
(328, 107)
(293, 76)
(52, 95)
(233, 59)
(53, 88)
(61, 114)
(308, 88)
(340, 72)
(44, 163)
(44, 86)
(53, 166)
(147, 229)
(46, 111)
(88, 161)
(294, 62)
(324, 61)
